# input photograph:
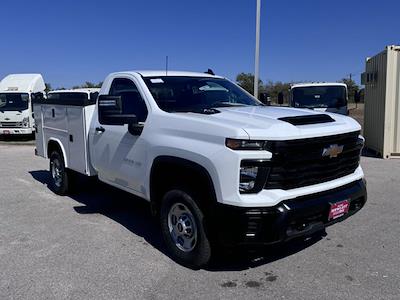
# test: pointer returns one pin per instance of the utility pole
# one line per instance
(166, 65)
(257, 54)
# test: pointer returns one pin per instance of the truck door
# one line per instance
(118, 155)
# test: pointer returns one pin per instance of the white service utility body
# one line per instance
(216, 165)
(320, 96)
(16, 94)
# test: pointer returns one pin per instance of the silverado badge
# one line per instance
(332, 151)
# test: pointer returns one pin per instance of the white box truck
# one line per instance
(323, 97)
(16, 93)
(217, 166)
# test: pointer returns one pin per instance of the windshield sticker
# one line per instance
(157, 80)
(213, 88)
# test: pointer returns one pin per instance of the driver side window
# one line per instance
(132, 101)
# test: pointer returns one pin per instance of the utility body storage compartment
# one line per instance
(66, 122)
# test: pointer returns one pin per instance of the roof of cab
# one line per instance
(82, 90)
(22, 83)
(164, 73)
(309, 84)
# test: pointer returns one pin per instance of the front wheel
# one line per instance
(183, 229)
(59, 174)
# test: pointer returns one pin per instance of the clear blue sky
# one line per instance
(73, 41)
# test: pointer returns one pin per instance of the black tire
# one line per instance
(200, 255)
(59, 183)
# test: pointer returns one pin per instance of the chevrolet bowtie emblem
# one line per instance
(332, 151)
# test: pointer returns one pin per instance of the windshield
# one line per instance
(319, 96)
(14, 101)
(194, 94)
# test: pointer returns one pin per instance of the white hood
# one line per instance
(262, 122)
(13, 116)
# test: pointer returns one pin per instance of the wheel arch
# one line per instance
(189, 172)
(55, 144)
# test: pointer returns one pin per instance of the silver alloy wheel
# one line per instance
(182, 227)
(56, 172)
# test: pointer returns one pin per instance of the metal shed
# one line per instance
(382, 103)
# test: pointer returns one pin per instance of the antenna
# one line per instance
(166, 65)
(209, 71)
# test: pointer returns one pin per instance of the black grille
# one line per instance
(10, 124)
(299, 163)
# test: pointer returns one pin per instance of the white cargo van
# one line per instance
(16, 93)
(325, 97)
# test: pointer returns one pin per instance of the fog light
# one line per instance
(248, 177)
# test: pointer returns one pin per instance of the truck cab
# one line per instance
(16, 94)
(324, 97)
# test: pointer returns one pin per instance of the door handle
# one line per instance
(100, 129)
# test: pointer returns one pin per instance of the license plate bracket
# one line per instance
(338, 209)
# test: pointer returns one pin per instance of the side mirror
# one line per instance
(357, 96)
(280, 98)
(110, 111)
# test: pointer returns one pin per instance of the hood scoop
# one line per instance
(308, 119)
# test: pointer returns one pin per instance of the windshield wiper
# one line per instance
(203, 111)
(227, 104)
(311, 106)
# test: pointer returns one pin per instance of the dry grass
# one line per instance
(357, 113)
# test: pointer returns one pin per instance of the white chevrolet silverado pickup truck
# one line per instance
(217, 166)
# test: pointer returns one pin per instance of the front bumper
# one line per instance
(21, 131)
(290, 219)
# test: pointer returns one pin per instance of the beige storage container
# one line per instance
(382, 103)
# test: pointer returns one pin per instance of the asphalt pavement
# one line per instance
(101, 243)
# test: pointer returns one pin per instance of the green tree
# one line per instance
(88, 84)
(274, 88)
(352, 87)
(48, 87)
(246, 81)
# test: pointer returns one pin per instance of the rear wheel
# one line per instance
(182, 225)
(59, 174)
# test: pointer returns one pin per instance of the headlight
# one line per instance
(253, 176)
(235, 144)
(25, 122)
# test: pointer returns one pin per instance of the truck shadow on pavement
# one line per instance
(17, 139)
(134, 214)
